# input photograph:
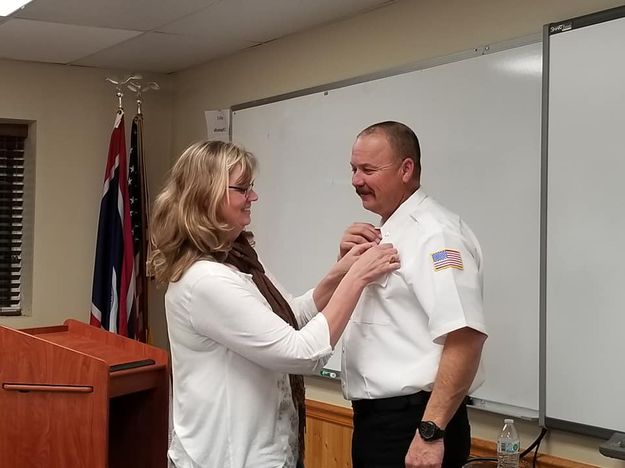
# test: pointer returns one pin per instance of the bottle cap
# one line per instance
(508, 421)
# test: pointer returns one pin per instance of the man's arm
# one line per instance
(458, 366)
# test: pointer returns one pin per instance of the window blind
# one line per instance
(12, 138)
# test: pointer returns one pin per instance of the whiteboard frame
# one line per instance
(549, 30)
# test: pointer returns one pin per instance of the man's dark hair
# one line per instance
(402, 139)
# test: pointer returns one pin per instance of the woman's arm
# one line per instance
(222, 307)
(328, 284)
(226, 309)
(371, 263)
(306, 306)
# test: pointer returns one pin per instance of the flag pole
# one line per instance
(139, 209)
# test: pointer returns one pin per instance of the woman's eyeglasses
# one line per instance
(242, 190)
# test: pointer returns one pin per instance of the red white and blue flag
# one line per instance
(113, 292)
(447, 258)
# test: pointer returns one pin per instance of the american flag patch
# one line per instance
(447, 258)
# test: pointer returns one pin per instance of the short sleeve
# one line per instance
(445, 275)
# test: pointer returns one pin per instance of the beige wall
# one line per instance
(403, 33)
(74, 109)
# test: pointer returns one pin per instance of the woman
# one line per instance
(234, 337)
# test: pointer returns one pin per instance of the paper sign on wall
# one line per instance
(218, 124)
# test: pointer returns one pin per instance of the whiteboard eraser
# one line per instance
(614, 447)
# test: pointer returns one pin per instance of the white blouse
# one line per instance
(231, 356)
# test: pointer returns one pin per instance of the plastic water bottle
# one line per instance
(508, 446)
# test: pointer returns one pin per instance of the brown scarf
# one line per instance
(244, 257)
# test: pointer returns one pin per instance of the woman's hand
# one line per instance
(374, 262)
(346, 261)
(327, 285)
(367, 262)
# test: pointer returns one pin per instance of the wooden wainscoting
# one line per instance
(487, 448)
(329, 440)
(328, 435)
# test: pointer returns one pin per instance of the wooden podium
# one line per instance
(77, 396)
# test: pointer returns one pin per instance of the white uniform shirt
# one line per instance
(231, 355)
(393, 342)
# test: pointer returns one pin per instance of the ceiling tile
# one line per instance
(141, 15)
(163, 35)
(264, 20)
(39, 41)
(163, 53)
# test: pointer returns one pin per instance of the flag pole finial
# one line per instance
(119, 84)
(137, 88)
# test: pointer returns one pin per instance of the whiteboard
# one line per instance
(585, 308)
(478, 121)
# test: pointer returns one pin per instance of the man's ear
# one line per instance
(407, 170)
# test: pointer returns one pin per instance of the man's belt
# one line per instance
(393, 403)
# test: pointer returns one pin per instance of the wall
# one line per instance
(405, 32)
(74, 109)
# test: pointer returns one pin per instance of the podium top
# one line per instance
(90, 346)
(116, 351)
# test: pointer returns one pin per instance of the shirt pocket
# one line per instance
(371, 308)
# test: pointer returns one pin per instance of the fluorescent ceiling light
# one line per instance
(9, 6)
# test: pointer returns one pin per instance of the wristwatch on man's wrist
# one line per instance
(429, 431)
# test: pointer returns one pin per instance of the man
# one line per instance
(412, 349)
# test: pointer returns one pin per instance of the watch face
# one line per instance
(430, 431)
(427, 429)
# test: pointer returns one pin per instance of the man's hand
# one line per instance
(358, 233)
(422, 454)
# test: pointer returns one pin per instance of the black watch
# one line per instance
(428, 430)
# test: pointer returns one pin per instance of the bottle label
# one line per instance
(508, 447)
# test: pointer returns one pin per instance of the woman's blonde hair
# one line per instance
(185, 226)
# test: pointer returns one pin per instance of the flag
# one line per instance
(113, 290)
(137, 191)
(447, 258)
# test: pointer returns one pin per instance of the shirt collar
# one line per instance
(403, 211)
